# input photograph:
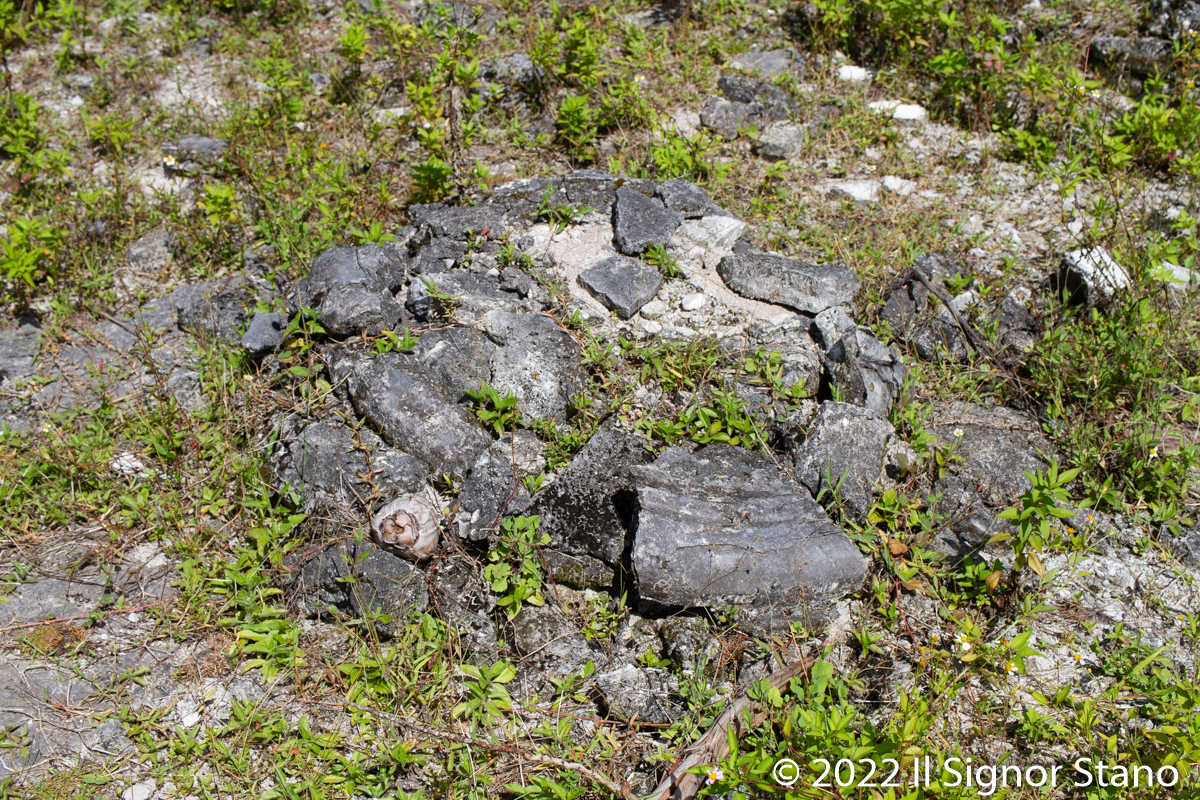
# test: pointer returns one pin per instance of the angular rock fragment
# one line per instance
(496, 482)
(640, 222)
(768, 64)
(330, 465)
(461, 222)
(1144, 56)
(589, 509)
(535, 360)
(351, 289)
(549, 641)
(723, 527)
(867, 372)
(780, 141)
(410, 409)
(192, 151)
(727, 119)
(622, 284)
(264, 334)
(845, 449)
(1091, 276)
(687, 199)
(632, 692)
(459, 357)
(772, 278)
(738, 89)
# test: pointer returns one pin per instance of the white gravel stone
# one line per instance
(858, 191)
(692, 301)
(898, 186)
(849, 72)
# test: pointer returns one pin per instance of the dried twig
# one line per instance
(713, 746)
(972, 338)
(623, 789)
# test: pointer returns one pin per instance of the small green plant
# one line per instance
(389, 341)
(431, 181)
(656, 255)
(678, 156)
(515, 566)
(576, 125)
(443, 304)
(500, 413)
(558, 215)
(27, 253)
(372, 234)
(1038, 507)
(487, 698)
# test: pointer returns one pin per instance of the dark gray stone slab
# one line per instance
(351, 289)
(496, 482)
(536, 360)
(772, 278)
(622, 284)
(411, 410)
(640, 222)
(723, 527)
(589, 509)
(846, 446)
(264, 334)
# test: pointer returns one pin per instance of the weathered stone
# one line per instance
(1090, 276)
(331, 466)
(593, 188)
(855, 191)
(727, 119)
(1185, 546)
(799, 355)
(1143, 55)
(151, 253)
(18, 351)
(778, 104)
(589, 509)
(475, 294)
(535, 360)
(548, 641)
(780, 141)
(867, 372)
(845, 448)
(640, 222)
(772, 278)
(459, 357)
(768, 64)
(523, 198)
(410, 409)
(351, 289)
(1018, 327)
(622, 284)
(495, 483)
(578, 572)
(460, 222)
(264, 334)
(687, 199)
(993, 450)
(712, 234)
(1173, 19)
(941, 340)
(648, 694)
(723, 527)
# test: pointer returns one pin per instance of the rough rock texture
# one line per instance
(622, 284)
(723, 526)
(769, 63)
(727, 119)
(459, 357)
(578, 572)
(780, 141)
(411, 410)
(997, 447)
(351, 289)
(1172, 19)
(496, 479)
(330, 465)
(738, 89)
(1185, 546)
(548, 641)
(1091, 276)
(459, 222)
(1143, 56)
(687, 199)
(648, 694)
(192, 152)
(589, 509)
(640, 222)
(264, 334)
(799, 355)
(846, 447)
(867, 372)
(772, 278)
(535, 360)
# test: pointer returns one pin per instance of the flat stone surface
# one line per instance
(535, 360)
(496, 482)
(846, 446)
(622, 284)
(780, 141)
(772, 278)
(588, 510)
(264, 334)
(411, 410)
(723, 527)
(768, 64)
(640, 222)
(855, 191)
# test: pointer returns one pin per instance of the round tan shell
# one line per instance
(408, 526)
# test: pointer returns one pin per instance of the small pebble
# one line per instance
(692, 302)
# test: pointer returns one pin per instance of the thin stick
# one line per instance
(537, 758)
(972, 338)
